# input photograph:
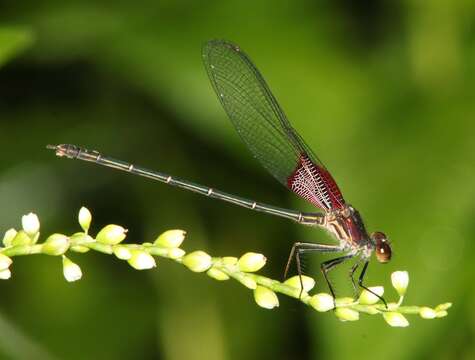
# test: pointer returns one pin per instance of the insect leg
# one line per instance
(360, 283)
(300, 248)
(330, 264)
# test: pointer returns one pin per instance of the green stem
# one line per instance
(250, 280)
(20, 250)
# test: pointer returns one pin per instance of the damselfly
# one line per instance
(266, 131)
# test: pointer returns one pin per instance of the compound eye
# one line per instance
(383, 249)
(383, 252)
(379, 236)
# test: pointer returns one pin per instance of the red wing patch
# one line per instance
(315, 184)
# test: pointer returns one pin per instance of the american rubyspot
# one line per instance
(266, 131)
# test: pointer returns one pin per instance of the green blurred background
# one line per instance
(382, 91)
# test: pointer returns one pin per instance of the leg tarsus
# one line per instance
(352, 273)
(327, 266)
(360, 283)
(289, 261)
(299, 270)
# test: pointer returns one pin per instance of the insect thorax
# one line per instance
(347, 226)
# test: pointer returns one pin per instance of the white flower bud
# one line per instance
(395, 319)
(344, 301)
(368, 298)
(56, 244)
(176, 253)
(322, 302)
(22, 238)
(217, 274)
(8, 237)
(84, 218)
(442, 307)
(71, 271)
(122, 252)
(347, 314)
(79, 248)
(307, 281)
(248, 282)
(31, 224)
(197, 261)
(171, 239)
(427, 313)
(5, 261)
(371, 310)
(251, 262)
(400, 281)
(81, 238)
(141, 260)
(441, 313)
(111, 234)
(265, 297)
(5, 274)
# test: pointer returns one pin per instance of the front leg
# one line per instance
(330, 264)
(353, 269)
(360, 283)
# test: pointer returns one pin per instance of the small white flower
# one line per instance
(5, 262)
(84, 218)
(71, 271)
(171, 239)
(5, 274)
(22, 238)
(122, 252)
(307, 281)
(31, 224)
(400, 281)
(251, 262)
(79, 248)
(265, 297)
(442, 307)
(395, 319)
(217, 274)
(343, 301)
(368, 298)
(197, 261)
(248, 282)
(441, 314)
(142, 260)
(8, 237)
(56, 244)
(322, 302)
(176, 253)
(111, 234)
(81, 238)
(427, 313)
(347, 314)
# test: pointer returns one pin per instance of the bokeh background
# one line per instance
(382, 91)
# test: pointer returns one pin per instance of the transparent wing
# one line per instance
(263, 126)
